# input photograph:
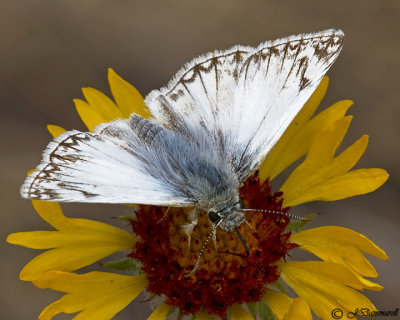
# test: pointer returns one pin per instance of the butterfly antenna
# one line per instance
(278, 212)
(203, 248)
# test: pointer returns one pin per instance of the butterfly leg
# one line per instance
(249, 225)
(192, 215)
(165, 216)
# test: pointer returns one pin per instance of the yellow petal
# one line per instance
(160, 313)
(202, 315)
(238, 313)
(286, 308)
(299, 310)
(349, 184)
(323, 177)
(51, 212)
(334, 271)
(95, 295)
(108, 237)
(55, 131)
(324, 286)
(325, 144)
(278, 302)
(89, 116)
(64, 259)
(341, 235)
(348, 158)
(365, 283)
(343, 246)
(78, 243)
(128, 99)
(281, 156)
(320, 154)
(102, 104)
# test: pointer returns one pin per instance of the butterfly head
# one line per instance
(229, 211)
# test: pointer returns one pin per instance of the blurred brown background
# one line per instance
(50, 49)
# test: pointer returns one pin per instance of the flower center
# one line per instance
(226, 276)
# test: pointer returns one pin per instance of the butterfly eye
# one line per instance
(214, 216)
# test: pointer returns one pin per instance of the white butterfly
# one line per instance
(212, 127)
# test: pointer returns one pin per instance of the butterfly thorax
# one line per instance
(229, 212)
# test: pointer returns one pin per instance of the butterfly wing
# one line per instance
(214, 123)
(115, 164)
(244, 98)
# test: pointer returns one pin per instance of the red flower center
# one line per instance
(226, 276)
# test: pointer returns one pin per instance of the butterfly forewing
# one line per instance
(244, 98)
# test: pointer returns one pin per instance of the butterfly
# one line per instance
(211, 127)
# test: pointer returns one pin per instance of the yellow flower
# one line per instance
(242, 287)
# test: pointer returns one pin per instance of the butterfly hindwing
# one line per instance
(130, 161)
(108, 166)
(244, 98)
